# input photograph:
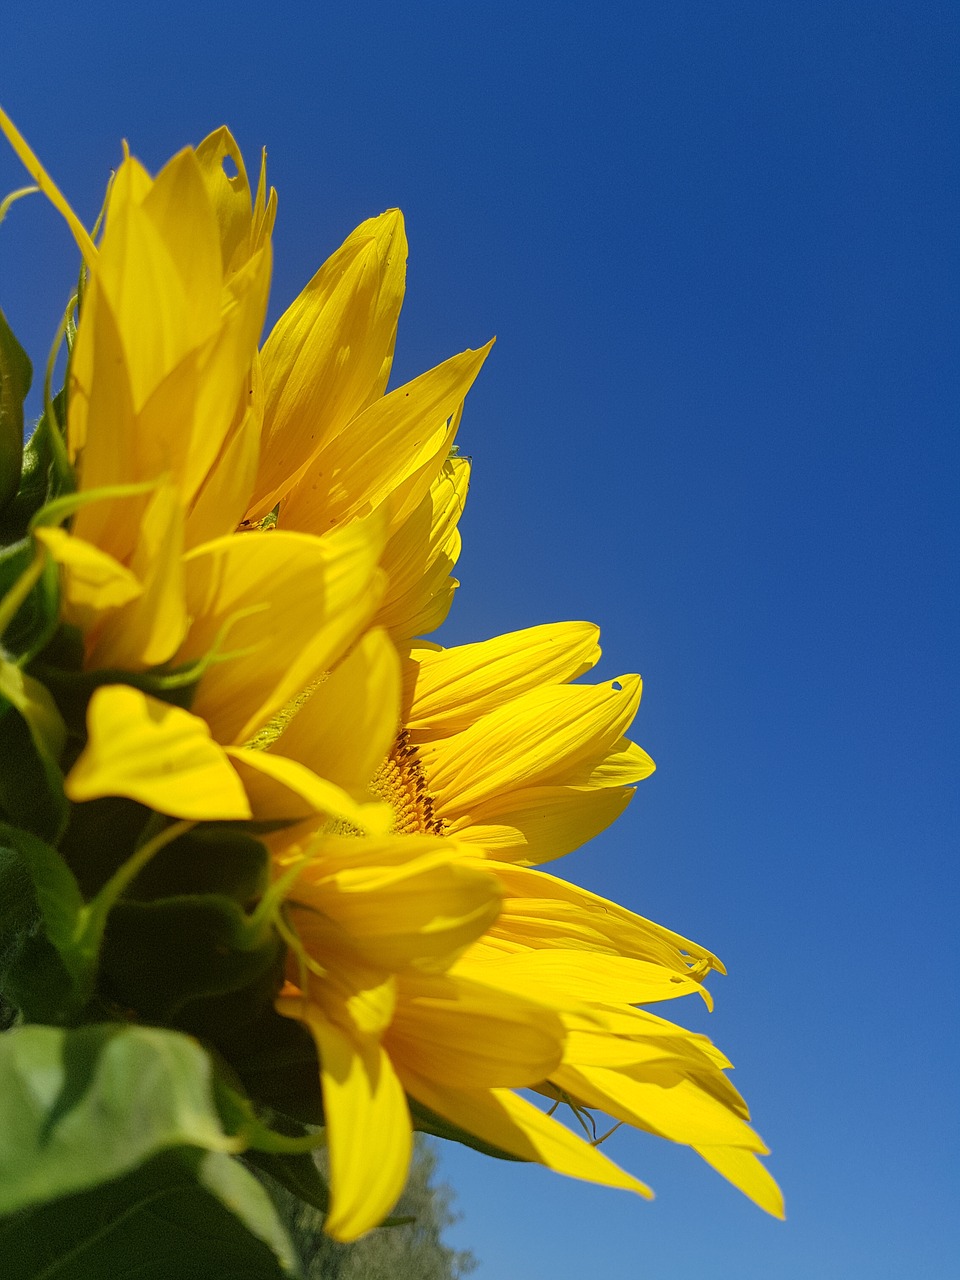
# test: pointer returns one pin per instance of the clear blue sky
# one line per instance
(717, 242)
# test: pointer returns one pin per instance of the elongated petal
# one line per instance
(745, 1171)
(385, 445)
(292, 605)
(157, 754)
(536, 738)
(533, 825)
(513, 1124)
(363, 694)
(219, 506)
(48, 187)
(447, 690)
(369, 1135)
(147, 631)
(402, 902)
(420, 555)
(540, 910)
(460, 1032)
(285, 790)
(329, 355)
(661, 1100)
(230, 197)
(565, 977)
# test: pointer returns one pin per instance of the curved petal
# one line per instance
(369, 1135)
(157, 754)
(536, 738)
(514, 1125)
(292, 603)
(447, 690)
(345, 728)
(536, 824)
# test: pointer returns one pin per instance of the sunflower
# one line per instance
(248, 590)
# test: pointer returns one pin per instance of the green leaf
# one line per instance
(34, 486)
(58, 895)
(160, 956)
(31, 783)
(81, 1106)
(16, 374)
(184, 1215)
(276, 1060)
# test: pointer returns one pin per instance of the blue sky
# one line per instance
(717, 244)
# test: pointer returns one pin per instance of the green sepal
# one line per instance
(16, 374)
(49, 987)
(190, 961)
(427, 1121)
(31, 783)
(35, 621)
(37, 460)
(212, 858)
(275, 1058)
(298, 1173)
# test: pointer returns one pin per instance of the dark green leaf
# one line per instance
(181, 1216)
(16, 374)
(160, 956)
(58, 896)
(31, 783)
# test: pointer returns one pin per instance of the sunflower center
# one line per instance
(402, 783)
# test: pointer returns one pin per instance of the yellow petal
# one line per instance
(515, 1125)
(565, 977)
(287, 791)
(48, 187)
(397, 438)
(346, 727)
(329, 355)
(395, 902)
(155, 753)
(457, 1031)
(420, 555)
(661, 1100)
(538, 737)
(447, 690)
(219, 506)
(540, 910)
(536, 824)
(745, 1171)
(292, 603)
(230, 196)
(369, 1135)
(91, 581)
(146, 631)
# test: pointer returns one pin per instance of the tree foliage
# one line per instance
(412, 1251)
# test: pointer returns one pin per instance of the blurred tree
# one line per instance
(414, 1251)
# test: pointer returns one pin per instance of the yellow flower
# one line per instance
(336, 447)
(501, 750)
(376, 924)
(273, 530)
(500, 761)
